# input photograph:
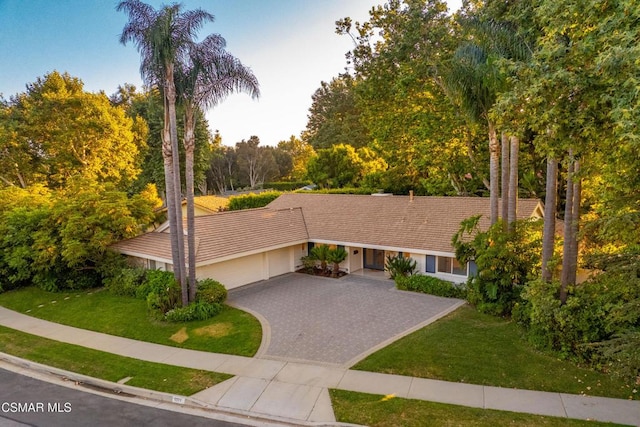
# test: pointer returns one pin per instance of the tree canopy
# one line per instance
(56, 130)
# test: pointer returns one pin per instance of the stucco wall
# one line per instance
(251, 268)
(235, 272)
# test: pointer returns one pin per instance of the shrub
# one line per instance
(211, 292)
(125, 281)
(251, 201)
(400, 266)
(430, 285)
(286, 186)
(599, 323)
(160, 290)
(505, 261)
(321, 253)
(309, 263)
(198, 310)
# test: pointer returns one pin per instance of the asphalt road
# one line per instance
(27, 401)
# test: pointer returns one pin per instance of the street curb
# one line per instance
(171, 402)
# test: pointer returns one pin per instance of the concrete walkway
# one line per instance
(298, 393)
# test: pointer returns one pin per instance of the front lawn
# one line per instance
(467, 346)
(231, 332)
(107, 366)
(373, 410)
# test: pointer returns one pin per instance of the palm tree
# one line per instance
(206, 76)
(321, 253)
(472, 81)
(336, 256)
(162, 38)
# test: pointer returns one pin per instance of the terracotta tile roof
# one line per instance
(426, 223)
(226, 234)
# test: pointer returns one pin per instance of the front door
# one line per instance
(374, 259)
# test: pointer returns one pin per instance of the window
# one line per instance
(431, 264)
(152, 264)
(310, 246)
(444, 264)
(448, 265)
(459, 269)
(473, 269)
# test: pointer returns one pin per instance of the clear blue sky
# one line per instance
(290, 45)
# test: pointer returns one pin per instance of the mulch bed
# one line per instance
(317, 271)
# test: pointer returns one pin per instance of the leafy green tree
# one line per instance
(148, 108)
(334, 117)
(256, 163)
(300, 153)
(342, 166)
(222, 168)
(59, 239)
(412, 125)
(55, 131)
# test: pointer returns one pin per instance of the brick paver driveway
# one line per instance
(335, 321)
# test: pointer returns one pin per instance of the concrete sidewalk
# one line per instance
(298, 392)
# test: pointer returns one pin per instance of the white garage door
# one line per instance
(279, 262)
(236, 272)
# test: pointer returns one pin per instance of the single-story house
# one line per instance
(242, 247)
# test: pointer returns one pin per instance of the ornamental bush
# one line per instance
(160, 290)
(211, 292)
(252, 201)
(598, 324)
(506, 261)
(125, 281)
(430, 285)
(198, 310)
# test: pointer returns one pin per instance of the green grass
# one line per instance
(98, 364)
(231, 332)
(471, 347)
(373, 410)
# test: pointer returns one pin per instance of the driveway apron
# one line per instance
(335, 321)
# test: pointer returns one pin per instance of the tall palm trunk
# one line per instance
(577, 197)
(494, 172)
(170, 93)
(513, 182)
(167, 156)
(567, 247)
(505, 180)
(549, 232)
(189, 148)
